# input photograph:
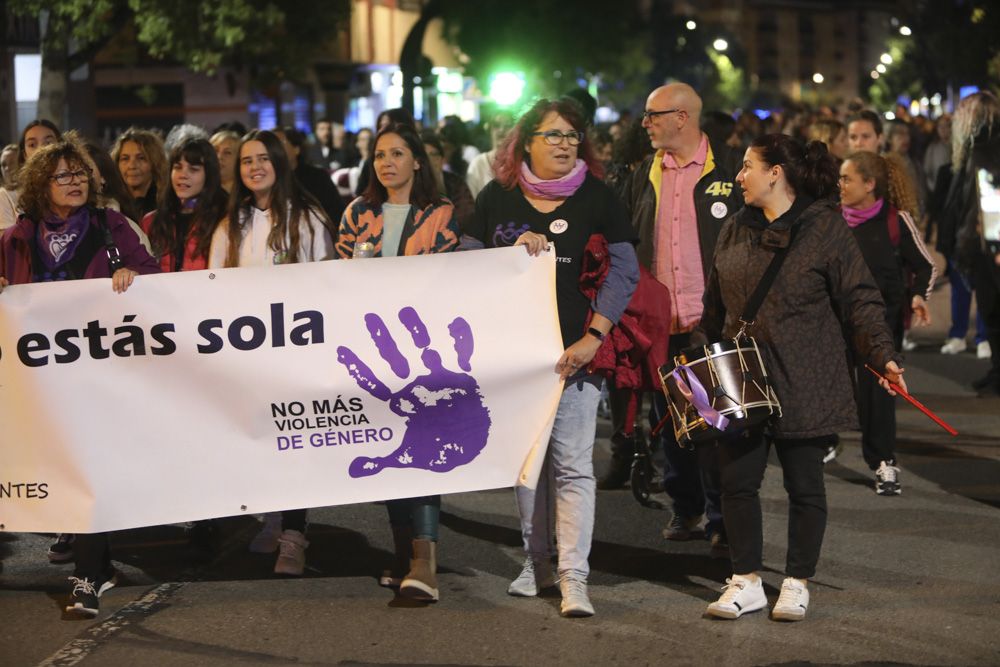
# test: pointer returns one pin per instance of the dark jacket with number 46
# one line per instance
(716, 197)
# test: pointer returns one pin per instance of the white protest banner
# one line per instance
(217, 393)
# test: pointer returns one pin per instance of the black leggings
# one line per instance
(92, 554)
(742, 461)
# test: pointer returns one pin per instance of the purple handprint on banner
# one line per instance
(447, 423)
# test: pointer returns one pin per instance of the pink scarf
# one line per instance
(855, 216)
(557, 188)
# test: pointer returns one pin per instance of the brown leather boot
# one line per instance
(421, 582)
(402, 536)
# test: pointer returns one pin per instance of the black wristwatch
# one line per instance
(596, 333)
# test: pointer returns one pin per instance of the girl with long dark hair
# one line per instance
(181, 228)
(271, 221)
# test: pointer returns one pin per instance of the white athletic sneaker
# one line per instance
(793, 601)
(954, 346)
(887, 479)
(536, 575)
(909, 345)
(983, 350)
(740, 596)
(575, 601)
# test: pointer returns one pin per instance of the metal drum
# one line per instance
(718, 389)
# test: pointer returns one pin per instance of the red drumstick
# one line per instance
(917, 404)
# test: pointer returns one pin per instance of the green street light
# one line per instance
(506, 88)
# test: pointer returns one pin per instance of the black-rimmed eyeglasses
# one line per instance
(650, 115)
(555, 137)
(67, 177)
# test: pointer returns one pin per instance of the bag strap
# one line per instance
(756, 299)
(115, 261)
(893, 222)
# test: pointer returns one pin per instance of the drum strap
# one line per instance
(753, 304)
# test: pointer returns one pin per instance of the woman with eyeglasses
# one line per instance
(548, 189)
(62, 235)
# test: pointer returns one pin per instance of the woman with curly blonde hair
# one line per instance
(877, 201)
(142, 161)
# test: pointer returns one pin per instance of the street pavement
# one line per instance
(908, 580)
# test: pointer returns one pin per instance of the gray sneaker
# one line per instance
(266, 541)
(680, 528)
(575, 601)
(292, 555)
(536, 575)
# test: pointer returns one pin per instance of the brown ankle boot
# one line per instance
(421, 582)
(402, 537)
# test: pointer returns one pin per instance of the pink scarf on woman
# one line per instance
(557, 188)
(855, 216)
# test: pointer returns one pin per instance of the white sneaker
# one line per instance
(832, 452)
(887, 479)
(266, 541)
(292, 557)
(536, 575)
(983, 350)
(793, 601)
(740, 596)
(909, 345)
(954, 346)
(575, 601)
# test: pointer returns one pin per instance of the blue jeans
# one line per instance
(961, 299)
(566, 493)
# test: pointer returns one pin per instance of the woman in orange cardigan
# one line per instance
(401, 213)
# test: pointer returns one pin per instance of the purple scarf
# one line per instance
(557, 188)
(855, 216)
(58, 239)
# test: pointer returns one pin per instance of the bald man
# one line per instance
(679, 199)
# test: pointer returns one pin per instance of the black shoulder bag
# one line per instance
(115, 261)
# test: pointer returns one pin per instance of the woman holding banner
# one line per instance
(62, 235)
(272, 221)
(548, 189)
(401, 213)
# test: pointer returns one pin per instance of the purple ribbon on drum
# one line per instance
(694, 392)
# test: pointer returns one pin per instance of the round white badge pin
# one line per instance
(719, 209)
(558, 226)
